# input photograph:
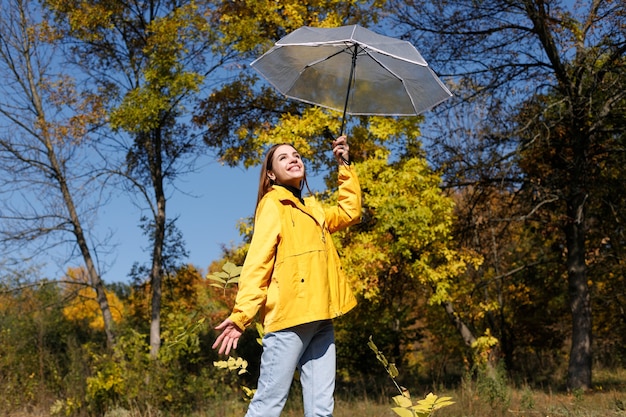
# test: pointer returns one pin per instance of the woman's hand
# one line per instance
(341, 150)
(229, 337)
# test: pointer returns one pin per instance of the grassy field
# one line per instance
(522, 403)
(608, 399)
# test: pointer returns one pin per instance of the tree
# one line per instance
(512, 52)
(46, 130)
(402, 258)
(152, 59)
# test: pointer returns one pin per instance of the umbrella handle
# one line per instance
(329, 136)
(345, 106)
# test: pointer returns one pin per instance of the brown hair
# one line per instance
(265, 184)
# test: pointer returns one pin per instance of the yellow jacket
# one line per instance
(292, 271)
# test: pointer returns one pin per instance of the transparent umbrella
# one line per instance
(354, 70)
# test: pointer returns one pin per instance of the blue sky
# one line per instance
(209, 205)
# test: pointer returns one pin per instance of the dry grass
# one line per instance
(526, 403)
(523, 403)
(608, 399)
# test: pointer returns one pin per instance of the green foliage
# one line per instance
(405, 407)
(389, 367)
(241, 365)
(527, 402)
(423, 408)
(492, 386)
(229, 275)
(252, 25)
(182, 337)
(409, 222)
(483, 348)
(166, 78)
(120, 375)
(401, 259)
(131, 378)
(40, 354)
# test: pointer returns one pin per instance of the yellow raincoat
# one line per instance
(292, 272)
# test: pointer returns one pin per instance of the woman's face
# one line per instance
(287, 167)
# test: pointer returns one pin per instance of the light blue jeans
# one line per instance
(308, 347)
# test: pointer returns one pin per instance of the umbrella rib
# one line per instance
(395, 75)
(354, 54)
(326, 58)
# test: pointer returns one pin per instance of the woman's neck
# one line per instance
(295, 191)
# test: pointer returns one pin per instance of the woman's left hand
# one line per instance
(341, 150)
(229, 337)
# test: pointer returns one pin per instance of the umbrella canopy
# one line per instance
(353, 69)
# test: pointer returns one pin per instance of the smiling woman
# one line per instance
(288, 168)
(293, 275)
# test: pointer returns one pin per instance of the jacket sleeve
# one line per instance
(257, 269)
(348, 209)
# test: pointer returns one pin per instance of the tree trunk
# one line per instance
(465, 332)
(77, 229)
(101, 297)
(469, 338)
(580, 361)
(154, 150)
(94, 278)
(156, 279)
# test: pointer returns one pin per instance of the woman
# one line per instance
(292, 274)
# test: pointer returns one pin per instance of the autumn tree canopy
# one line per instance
(551, 74)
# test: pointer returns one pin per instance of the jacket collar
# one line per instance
(284, 195)
(295, 191)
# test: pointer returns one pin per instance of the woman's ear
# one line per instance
(271, 176)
